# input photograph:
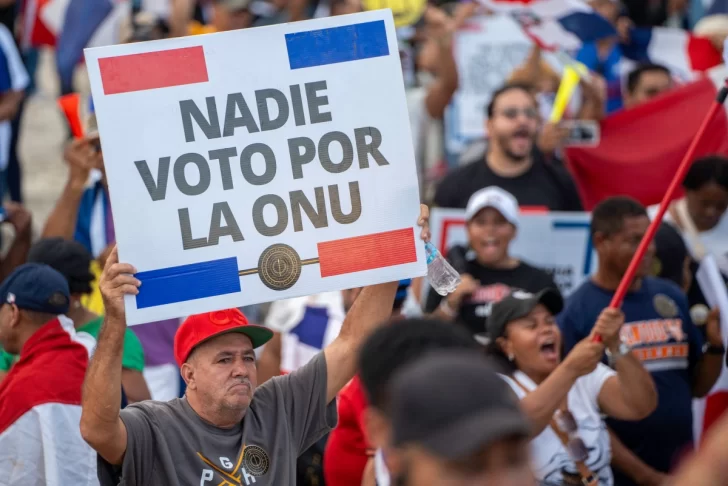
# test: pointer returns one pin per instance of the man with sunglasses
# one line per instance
(511, 161)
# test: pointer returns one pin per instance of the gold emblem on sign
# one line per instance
(279, 267)
(665, 306)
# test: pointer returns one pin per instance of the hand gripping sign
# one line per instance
(281, 152)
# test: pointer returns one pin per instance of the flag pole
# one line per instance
(676, 181)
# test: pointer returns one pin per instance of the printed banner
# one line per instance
(259, 164)
(557, 242)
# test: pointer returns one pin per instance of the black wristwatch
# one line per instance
(711, 349)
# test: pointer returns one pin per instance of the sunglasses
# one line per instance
(512, 113)
(575, 446)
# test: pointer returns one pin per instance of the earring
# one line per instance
(511, 357)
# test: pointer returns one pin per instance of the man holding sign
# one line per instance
(223, 429)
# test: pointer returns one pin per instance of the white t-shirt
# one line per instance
(548, 455)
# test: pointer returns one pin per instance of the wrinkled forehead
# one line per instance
(231, 342)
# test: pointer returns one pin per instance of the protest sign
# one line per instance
(258, 164)
(486, 50)
(557, 242)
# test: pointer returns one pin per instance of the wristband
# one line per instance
(710, 349)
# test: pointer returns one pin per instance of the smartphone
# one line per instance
(582, 133)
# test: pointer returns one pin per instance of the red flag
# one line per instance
(642, 147)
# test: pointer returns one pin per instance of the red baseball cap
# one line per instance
(199, 328)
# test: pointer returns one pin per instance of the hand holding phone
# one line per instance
(582, 133)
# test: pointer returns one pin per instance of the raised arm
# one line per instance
(541, 404)
(81, 158)
(631, 394)
(101, 426)
(371, 309)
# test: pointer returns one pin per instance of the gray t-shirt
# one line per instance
(168, 444)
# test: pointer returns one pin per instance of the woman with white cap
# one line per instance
(488, 270)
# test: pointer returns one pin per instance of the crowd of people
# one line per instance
(508, 380)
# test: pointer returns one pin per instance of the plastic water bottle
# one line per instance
(442, 276)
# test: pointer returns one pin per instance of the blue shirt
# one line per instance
(5, 81)
(607, 68)
(669, 347)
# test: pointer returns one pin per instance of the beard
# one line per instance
(504, 143)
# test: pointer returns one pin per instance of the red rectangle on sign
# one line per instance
(152, 70)
(367, 252)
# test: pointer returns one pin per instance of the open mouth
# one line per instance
(521, 134)
(548, 350)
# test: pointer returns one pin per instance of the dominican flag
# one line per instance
(641, 148)
(676, 49)
(40, 412)
(556, 24)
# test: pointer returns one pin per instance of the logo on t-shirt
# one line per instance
(256, 460)
(661, 344)
(252, 462)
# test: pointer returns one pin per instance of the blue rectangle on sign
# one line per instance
(188, 282)
(337, 44)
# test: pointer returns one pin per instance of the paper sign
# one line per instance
(259, 164)
(556, 242)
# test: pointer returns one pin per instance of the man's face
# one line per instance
(503, 463)
(617, 250)
(651, 84)
(222, 371)
(514, 124)
(8, 328)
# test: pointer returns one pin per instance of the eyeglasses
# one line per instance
(575, 446)
(512, 113)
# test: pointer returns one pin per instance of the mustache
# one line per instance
(241, 381)
(522, 130)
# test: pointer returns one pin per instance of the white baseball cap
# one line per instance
(493, 197)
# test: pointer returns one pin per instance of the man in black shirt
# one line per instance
(512, 160)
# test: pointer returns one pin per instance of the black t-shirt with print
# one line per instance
(495, 283)
(544, 184)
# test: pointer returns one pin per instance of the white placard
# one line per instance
(556, 242)
(487, 49)
(314, 120)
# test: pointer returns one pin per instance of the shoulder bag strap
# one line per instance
(588, 478)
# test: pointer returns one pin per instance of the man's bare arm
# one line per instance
(9, 104)
(101, 425)
(371, 309)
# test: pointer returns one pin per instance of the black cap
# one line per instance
(68, 257)
(517, 304)
(36, 287)
(453, 404)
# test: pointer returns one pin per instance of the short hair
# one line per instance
(398, 343)
(37, 318)
(525, 87)
(608, 216)
(712, 168)
(634, 77)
